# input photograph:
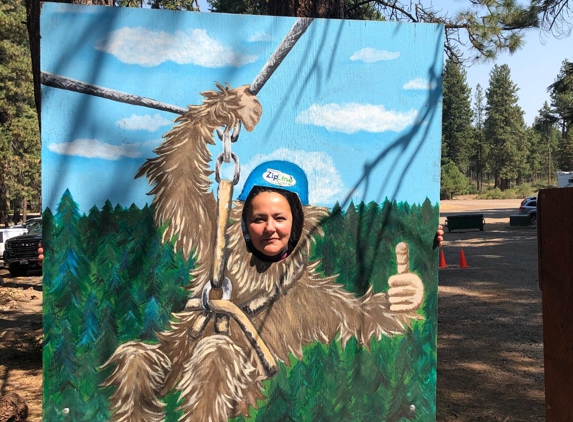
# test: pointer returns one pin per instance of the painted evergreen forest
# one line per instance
(108, 279)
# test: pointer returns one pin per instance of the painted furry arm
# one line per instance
(180, 174)
(317, 309)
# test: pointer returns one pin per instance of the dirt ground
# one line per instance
(490, 344)
(490, 328)
(20, 339)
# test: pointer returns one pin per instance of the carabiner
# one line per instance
(227, 288)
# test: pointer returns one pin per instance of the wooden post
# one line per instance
(555, 249)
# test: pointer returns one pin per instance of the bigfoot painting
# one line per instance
(289, 305)
(264, 253)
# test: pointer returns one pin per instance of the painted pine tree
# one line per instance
(68, 281)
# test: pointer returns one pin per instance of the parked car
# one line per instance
(21, 252)
(529, 207)
(528, 199)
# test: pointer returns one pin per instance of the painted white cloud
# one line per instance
(420, 84)
(147, 122)
(324, 182)
(260, 36)
(151, 48)
(352, 117)
(371, 55)
(92, 148)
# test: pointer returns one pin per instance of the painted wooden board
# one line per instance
(342, 329)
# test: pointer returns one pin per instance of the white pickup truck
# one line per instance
(14, 231)
(6, 234)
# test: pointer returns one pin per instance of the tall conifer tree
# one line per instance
(548, 134)
(561, 92)
(480, 146)
(457, 132)
(19, 135)
(562, 102)
(504, 128)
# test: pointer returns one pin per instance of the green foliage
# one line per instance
(19, 134)
(504, 129)
(452, 182)
(457, 131)
(523, 191)
(251, 7)
(561, 92)
(487, 27)
(520, 192)
(544, 138)
(480, 152)
(565, 152)
(537, 155)
(495, 193)
(121, 284)
(190, 5)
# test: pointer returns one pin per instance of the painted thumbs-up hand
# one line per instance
(406, 291)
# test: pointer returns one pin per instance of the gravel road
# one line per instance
(490, 334)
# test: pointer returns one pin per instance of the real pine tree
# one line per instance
(480, 151)
(504, 128)
(19, 134)
(457, 132)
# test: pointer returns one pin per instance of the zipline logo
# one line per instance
(279, 178)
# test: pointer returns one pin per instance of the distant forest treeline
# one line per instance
(108, 279)
(486, 143)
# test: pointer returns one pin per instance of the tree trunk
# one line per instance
(33, 24)
(504, 184)
(16, 215)
(13, 408)
(24, 209)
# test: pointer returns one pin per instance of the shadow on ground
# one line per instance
(490, 338)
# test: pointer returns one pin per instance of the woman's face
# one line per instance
(269, 223)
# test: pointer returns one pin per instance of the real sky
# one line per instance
(533, 69)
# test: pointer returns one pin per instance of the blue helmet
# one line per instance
(280, 175)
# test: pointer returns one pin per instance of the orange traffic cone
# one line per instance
(463, 263)
(442, 260)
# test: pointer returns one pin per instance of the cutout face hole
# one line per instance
(272, 222)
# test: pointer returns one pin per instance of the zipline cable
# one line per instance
(69, 84)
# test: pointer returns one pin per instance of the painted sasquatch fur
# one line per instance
(289, 304)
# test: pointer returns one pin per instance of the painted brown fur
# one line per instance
(290, 305)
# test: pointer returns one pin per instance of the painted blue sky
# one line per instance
(355, 104)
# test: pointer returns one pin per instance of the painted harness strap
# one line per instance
(229, 309)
